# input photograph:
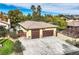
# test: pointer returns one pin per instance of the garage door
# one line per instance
(35, 33)
(47, 33)
(21, 33)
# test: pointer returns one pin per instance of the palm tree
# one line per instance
(39, 10)
(33, 9)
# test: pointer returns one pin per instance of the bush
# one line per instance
(71, 42)
(7, 47)
(77, 44)
(18, 47)
(13, 35)
(3, 31)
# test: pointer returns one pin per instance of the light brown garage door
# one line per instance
(35, 33)
(47, 33)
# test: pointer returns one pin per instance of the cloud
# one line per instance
(49, 8)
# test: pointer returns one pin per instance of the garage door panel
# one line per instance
(47, 33)
(21, 33)
(35, 34)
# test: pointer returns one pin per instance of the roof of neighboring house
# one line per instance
(73, 23)
(36, 25)
(3, 23)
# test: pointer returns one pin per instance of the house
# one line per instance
(73, 23)
(72, 29)
(5, 24)
(34, 29)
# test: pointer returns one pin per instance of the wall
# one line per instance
(28, 32)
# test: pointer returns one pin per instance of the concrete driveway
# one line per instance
(46, 46)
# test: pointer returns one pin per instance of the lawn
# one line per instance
(7, 47)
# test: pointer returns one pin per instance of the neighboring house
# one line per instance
(6, 24)
(73, 23)
(36, 29)
(72, 29)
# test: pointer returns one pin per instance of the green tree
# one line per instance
(48, 18)
(28, 17)
(39, 10)
(3, 31)
(33, 10)
(60, 22)
(36, 15)
(15, 17)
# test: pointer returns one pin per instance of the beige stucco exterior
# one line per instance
(28, 32)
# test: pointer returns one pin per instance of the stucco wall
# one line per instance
(28, 32)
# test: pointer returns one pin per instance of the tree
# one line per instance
(3, 16)
(39, 10)
(15, 17)
(28, 17)
(18, 48)
(60, 22)
(48, 18)
(33, 10)
(3, 31)
(36, 15)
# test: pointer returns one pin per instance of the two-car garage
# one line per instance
(36, 33)
(34, 29)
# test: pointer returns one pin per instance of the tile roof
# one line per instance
(3, 23)
(73, 23)
(36, 24)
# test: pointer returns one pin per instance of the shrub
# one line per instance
(71, 42)
(77, 44)
(13, 35)
(3, 31)
(18, 47)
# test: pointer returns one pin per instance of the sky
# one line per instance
(47, 8)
